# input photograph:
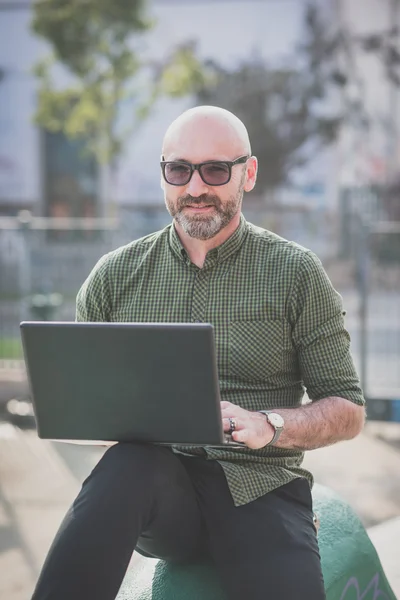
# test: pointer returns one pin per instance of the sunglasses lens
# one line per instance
(215, 173)
(177, 173)
(212, 173)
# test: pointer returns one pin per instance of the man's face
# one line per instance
(201, 209)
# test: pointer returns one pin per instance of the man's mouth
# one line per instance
(199, 206)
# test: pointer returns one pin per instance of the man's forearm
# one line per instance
(320, 423)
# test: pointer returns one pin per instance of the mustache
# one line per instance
(210, 199)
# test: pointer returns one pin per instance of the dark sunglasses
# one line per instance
(212, 172)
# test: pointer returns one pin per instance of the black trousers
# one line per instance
(179, 508)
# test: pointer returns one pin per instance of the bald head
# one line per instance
(206, 133)
(202, 210)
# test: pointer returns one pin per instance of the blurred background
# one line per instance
(87, 90)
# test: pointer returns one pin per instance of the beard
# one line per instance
(204, 227)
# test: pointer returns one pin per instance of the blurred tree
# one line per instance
(329, 51)
(331, 57)
(278, 109)
(291, 113)
(97, 42)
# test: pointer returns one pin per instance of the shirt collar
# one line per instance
(219, 254)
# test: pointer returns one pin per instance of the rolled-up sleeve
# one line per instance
(320, 337)
(93, 302)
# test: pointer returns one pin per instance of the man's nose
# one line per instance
(196, 186)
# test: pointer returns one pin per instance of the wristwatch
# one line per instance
(277, 423)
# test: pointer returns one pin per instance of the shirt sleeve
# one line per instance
(93, 302)
(320, 336)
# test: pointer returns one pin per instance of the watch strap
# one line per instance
(277, 430)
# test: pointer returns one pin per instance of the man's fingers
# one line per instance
(225, 403)
(231, 410)
(241, 436)
(227, 424)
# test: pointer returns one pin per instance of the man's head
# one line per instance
(206, 199)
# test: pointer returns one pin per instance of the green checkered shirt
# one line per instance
(278, 329)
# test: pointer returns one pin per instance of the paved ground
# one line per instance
(39, 479)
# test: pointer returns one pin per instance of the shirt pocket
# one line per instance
(257, 348)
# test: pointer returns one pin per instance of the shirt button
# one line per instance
(198, 321)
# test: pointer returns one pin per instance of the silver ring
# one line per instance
(232, 425)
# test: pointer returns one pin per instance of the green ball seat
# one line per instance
(350, 564)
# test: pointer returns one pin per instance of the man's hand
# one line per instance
(307, 427)
(252, 428)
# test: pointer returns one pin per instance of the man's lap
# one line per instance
(268, 542)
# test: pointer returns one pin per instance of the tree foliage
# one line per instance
(291, 113)
(276, 106)
(330, 55)
(97, 42)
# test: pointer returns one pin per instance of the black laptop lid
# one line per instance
(151, 382)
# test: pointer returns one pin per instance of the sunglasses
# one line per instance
(212, 172)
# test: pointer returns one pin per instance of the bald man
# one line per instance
(279, 330)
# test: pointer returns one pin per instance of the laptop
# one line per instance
(125, 382)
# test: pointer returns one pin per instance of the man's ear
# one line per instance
(251, 174)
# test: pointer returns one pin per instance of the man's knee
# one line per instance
(133, 462)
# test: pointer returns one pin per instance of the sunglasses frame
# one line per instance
(197, 167)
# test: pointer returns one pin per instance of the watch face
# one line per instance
(276, 420)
